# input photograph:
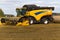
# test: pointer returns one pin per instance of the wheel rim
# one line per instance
(46, 22)
(31, 22)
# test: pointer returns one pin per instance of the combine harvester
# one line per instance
(32, 14)
(35, 14)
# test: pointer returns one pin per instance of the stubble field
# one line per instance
(33, 32)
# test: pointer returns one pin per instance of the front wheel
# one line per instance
(32, 20)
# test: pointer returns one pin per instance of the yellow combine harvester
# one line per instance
(34, 14)
(31, 14)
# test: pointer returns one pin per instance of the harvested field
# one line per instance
(32, 32)
(56, 18)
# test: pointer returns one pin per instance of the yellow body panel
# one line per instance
(37, 14)
(40, 15)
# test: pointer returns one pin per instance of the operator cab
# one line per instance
(21, 11)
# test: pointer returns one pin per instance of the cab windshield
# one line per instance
(21, 11)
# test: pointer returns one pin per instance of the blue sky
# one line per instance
(9, 6)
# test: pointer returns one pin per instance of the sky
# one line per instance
(9, 6)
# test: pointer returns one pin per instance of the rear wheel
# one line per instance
(44, 21)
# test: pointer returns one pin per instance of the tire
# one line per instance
(2, 20)
(31, 20)
(44, 21)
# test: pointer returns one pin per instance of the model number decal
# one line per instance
(37, 13)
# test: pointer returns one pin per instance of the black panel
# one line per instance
(34, 7)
